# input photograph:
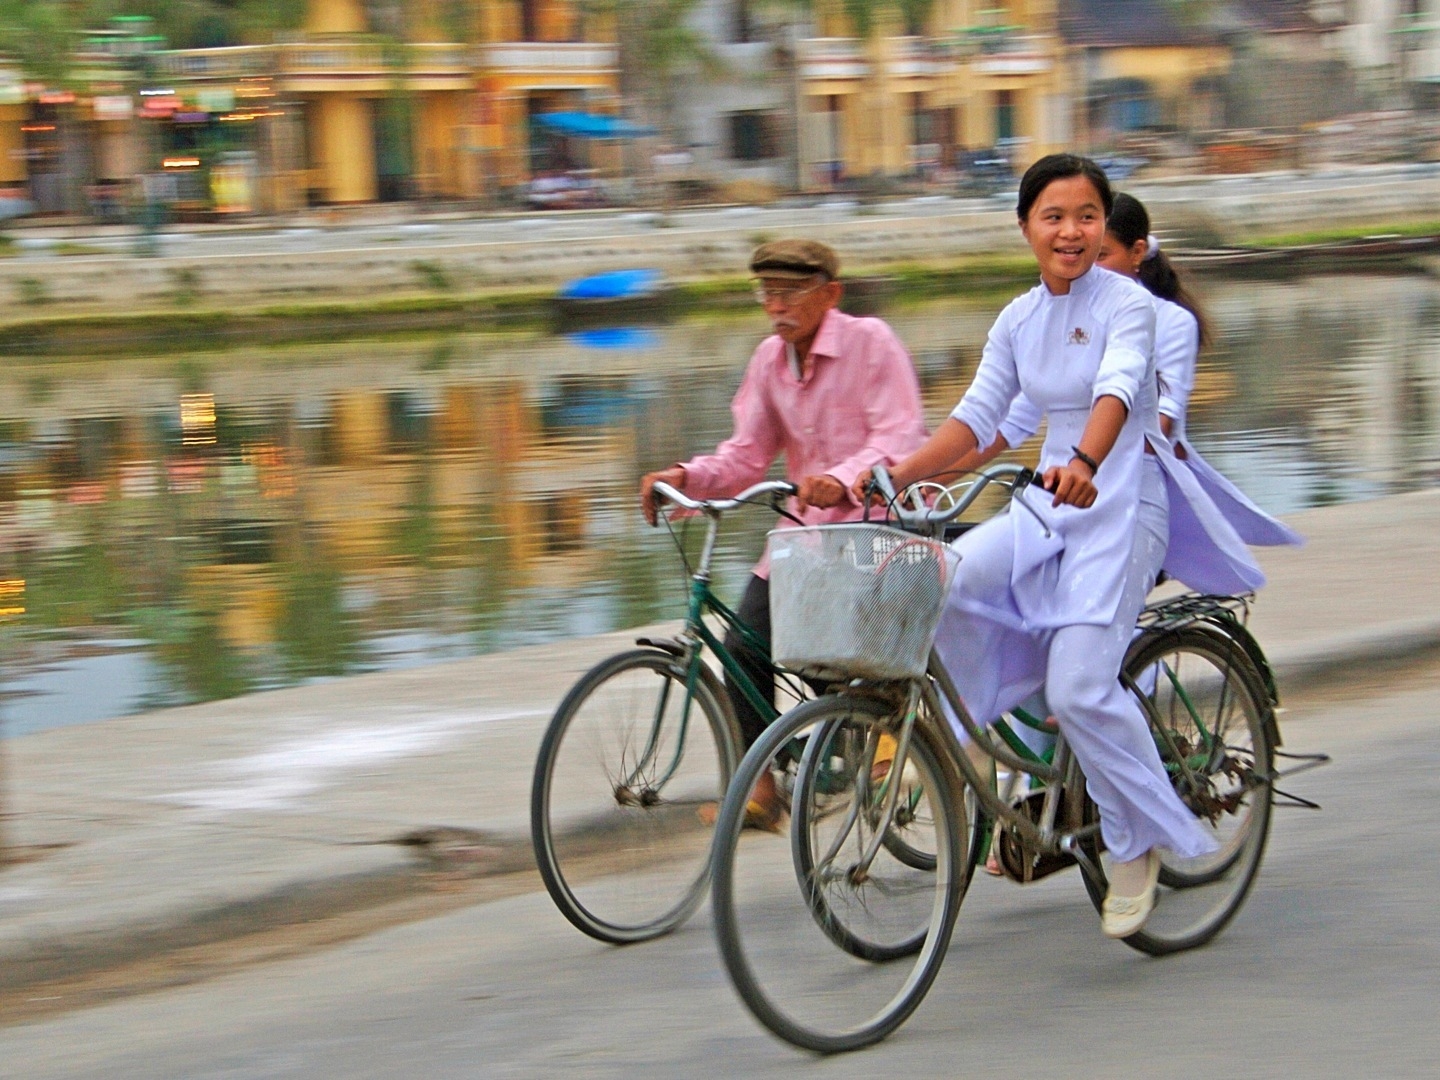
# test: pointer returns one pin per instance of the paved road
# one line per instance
(1330, 971)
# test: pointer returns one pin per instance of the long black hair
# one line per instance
(1128, 221)
(1054, 167)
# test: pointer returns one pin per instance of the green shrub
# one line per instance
(32, 292)
(432, 275)
(184, 285)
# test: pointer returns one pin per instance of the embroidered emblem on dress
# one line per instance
(1078, 336)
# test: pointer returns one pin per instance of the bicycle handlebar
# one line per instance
(709, 506)
(929, 518)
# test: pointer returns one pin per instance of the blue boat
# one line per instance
(614, 295)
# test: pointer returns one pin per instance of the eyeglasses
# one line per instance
(786, 295)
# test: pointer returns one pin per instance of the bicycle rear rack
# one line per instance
(1188, 608)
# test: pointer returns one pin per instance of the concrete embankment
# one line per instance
(153, 833)
(87, 292)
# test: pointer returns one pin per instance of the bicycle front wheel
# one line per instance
(841, 753)
(1206, 705)
(628, 781)
(779, 941)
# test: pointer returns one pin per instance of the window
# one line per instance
(754, 136)
(1004, 115)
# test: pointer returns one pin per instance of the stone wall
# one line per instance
(868, 239)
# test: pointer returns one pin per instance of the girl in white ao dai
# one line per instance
(1053, 603)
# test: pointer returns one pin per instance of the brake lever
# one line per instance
(1029, 477)
(871, 489)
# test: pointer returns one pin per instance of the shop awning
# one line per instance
(592, 125)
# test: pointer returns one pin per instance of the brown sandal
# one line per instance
(766, 818)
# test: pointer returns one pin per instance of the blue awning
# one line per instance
(592, 125)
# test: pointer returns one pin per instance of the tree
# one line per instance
(204, 24)
(40, 35)
(43, 34)
(658, 48)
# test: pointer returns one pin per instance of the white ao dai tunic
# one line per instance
(1049, 599)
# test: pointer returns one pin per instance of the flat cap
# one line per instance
(795, 258)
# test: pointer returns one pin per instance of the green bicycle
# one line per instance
(637, 757)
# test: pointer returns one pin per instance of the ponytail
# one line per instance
(1160, 277)
(1129, 222)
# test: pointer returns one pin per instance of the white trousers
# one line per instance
(996, 667)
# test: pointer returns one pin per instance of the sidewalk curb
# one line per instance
(433, 857)
(1334, 659)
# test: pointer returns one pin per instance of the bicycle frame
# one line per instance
(1058, 774)
(696, 636)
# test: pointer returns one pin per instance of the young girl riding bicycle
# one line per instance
(1050, 599)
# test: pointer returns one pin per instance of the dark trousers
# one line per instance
(754, 612)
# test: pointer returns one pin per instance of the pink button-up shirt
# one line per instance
(859, 406)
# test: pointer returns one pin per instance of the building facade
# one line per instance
(738, 124)
(1135, 67)
(446, 112)
(919, 90)
(348, 109)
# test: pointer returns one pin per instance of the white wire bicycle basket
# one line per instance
(856, 600)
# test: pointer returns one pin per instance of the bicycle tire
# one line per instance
(626, 865)
(1201, 674)
(781, 959)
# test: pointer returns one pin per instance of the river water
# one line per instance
(188, 528)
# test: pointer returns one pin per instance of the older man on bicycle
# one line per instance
(835, 394)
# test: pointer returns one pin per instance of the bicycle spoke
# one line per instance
(617, 811)
(887, 918)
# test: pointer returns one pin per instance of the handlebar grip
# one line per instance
(1030, 477)
(662, 492)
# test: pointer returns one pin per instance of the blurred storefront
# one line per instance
(13, 114)
(339, 112)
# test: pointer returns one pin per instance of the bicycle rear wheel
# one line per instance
(1207, 709)
(630, 774)
(779, 941)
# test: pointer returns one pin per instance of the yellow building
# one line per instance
(13, 113)
(1029, 76)
(353, 112)
(972, 75)
(1136, 68)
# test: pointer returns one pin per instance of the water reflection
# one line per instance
(1323, 390)
(181, 530)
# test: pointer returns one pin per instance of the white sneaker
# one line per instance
(1121, 916)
